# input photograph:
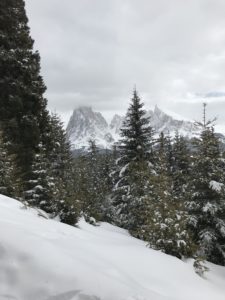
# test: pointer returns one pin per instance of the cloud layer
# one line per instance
(93, 52)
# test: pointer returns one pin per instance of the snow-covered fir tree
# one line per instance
(166, 227)
(7, 169)
(93, 198)
(50, 185)
(41, 184)
(65, 204)
(181, 166)
(133, 166)
(23, 107)
(206, 198)
(92, 182)
(36, 139)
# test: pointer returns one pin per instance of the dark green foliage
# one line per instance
(166, 228)
(23, 107)
(6, 169)
(92, 183)
(35, 139)
(135, 205)
(181, 166)
(93, 201)
(136, 133)
(41, 183)
(51, 179)
(206, 198)
(133, 167)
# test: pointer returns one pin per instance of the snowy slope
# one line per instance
(42, 259)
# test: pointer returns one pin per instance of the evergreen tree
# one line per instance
(181, 166)
(50, 185)
(80, 181)
(136, 133)
(135, 212)
(64, 203)
(23, 108)
(41, 184)
(96, 183)
(167, 219)
(207, 194)
(93, 198)
(36, 139)
(132, 167)
(7, 185)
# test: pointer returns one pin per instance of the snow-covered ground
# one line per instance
(42, 259)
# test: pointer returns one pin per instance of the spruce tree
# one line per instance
(41, 185)
(7, 184)
(93, 196)
(23, 107)
(133, 167)
(95, 182)
(181, 166)
(80, 181)
(166, 226)
(35, 139)
(207, 193)
(136, 133)
(50, 184)
(63, 200)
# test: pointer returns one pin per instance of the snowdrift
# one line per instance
(42, 259)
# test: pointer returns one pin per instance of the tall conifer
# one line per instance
(23, 107)
(133, 167)
(207, 193)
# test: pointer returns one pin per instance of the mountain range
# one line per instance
(86, 124)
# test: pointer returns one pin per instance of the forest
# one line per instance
(166, 191)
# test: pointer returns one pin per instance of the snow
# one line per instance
(85, 124)
(216, 186)
(123, 170)
(42, 259)
(211, 208)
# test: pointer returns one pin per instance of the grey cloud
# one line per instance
(93, 52)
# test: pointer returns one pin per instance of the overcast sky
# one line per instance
(93, 52)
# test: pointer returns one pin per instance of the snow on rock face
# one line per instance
(162, 122)
(42, 259)
(116, 124)
(85, 124)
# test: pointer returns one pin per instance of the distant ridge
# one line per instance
(86, 124)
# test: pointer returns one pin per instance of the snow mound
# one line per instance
(41, 259)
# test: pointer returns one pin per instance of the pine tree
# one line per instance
(23, 107)
(181, 166)
(107, 163)
(95, 182)
(133, 167)
(136, 133)
(41, 184)
(165, 229)
(80, 181)
(64, 202)
(207, 193)
(50, 185)
(7, 184)
(36, 139)
(92, 203)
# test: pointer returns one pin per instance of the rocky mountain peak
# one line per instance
(86, 124)
(116, 123)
